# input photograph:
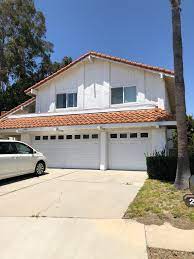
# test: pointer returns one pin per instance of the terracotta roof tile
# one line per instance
(100, 55)
(149, 115)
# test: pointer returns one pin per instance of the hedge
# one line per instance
(164, 167)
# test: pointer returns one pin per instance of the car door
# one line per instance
(8, 160)
(25, 158)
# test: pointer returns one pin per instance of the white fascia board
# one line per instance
(167, 123)
(93, 127)
(167, 75)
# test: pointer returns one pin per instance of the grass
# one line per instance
(158, 253)
(158, 202)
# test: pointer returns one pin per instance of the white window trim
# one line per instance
(123, 103)
(65, 108)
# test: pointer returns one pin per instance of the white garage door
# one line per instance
(69, 151)
(127, 150)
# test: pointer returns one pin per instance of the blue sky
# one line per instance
(136, 30)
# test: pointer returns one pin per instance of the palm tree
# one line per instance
(183, 169)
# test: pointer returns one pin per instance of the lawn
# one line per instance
(158, 202)
(157, 253)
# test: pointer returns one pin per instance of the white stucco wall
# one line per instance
(159, 141)
(155, 89)
(26, 138)
(92, 82)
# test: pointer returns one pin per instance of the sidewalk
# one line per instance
(73, 238)
(168, 237)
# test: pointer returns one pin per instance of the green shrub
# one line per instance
(162, 167)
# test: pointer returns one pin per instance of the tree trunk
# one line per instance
(183, 169)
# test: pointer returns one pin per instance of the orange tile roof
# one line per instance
(15, 109)
(104, 56)
(149, 115)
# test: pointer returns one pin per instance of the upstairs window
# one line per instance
(61, 100)
(72, 100)
(66, 100)
(123, 95)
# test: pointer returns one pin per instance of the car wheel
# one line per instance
(40, 167)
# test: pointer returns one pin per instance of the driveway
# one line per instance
(70, 214)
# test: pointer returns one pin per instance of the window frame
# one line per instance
(134, 134)
(123, 95)
(67, 100)
(115, 135)
(86, 136)
(57, 95)
(146, 133)
(60, 137)
(69, 137)
(95, 136)
(123, 135)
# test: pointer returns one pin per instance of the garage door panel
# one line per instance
(128, 154)
(70, 153)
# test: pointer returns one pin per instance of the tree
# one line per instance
(183, 169)
(25, 55)
(190, 135)
(48, 67)
(23, 42)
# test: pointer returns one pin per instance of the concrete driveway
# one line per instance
(70, 214)
(71, 194)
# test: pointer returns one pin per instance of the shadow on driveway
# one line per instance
(19, 178)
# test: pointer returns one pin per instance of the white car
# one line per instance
(17, 158)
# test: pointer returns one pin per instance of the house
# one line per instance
(99, 112)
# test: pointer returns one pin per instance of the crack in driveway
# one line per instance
(50, 205)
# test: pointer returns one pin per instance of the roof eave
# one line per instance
(153, 124)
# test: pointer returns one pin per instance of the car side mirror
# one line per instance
(34, 151)
(191, 184)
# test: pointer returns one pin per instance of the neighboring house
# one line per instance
(98, 112)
